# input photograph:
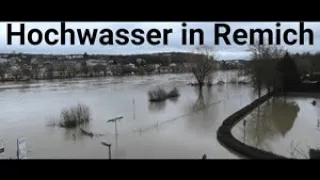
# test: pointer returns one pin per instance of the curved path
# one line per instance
(227, 140)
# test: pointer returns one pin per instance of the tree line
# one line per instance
(270, 67)
(62, 70)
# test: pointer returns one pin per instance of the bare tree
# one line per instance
(263, 66)
(203, 63)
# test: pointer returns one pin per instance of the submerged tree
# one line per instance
(203, 63)
(263, 66)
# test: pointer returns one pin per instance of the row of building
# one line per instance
(19, 67)
(15, 69)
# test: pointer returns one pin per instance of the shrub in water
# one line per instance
(75, 116)
(158, 94)
(173, 93)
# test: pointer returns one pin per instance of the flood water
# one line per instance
(178, 128)
(288, 127)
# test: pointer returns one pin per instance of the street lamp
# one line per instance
(109, 147)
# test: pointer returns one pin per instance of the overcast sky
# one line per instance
(222, 51)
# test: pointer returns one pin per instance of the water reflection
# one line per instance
(283, 115)
(99, 84)
(210, 95)
(269, 122)
(205, 98)
(220, 88)
(72, 134)
(25, 88)
(199, 103)
(174, 100)
(157, 106)
(203, 112)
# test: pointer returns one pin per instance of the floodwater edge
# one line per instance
(228, 141)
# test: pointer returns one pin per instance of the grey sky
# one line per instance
(223, 52)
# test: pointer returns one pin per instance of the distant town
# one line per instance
(24, 67)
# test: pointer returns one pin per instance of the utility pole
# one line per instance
(109, 147)
(114, 120)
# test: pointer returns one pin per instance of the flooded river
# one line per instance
(179, 128)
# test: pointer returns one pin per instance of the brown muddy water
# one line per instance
(179, 128)
(286, 127)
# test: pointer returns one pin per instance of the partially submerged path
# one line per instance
(227, 140)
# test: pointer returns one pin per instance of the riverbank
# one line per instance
(226, 138)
